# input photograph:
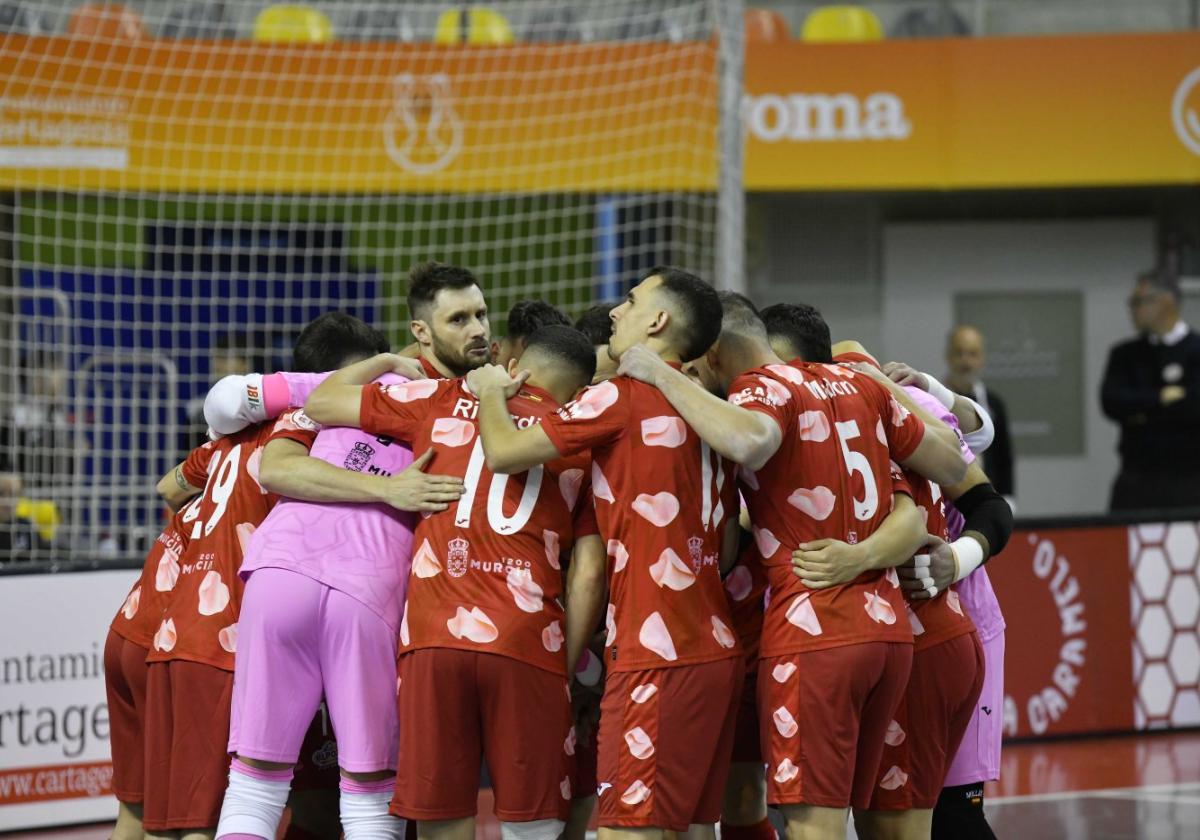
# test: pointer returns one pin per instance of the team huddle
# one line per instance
(673, 563)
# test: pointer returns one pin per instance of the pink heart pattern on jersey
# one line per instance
(785, 724)
(891, 577)
(918, 629)
(766, 542)
(425, 563)
(665, 431)
(953, 602)
(879, 609)
(610, 624)
(880, 433)
(404, 639)
(659, 509)
(722, 633)
(167, 574)
(893, 779)
(552, 637)
(791, 374)
(639, 743)
(616, 550)
(840, 370)
(569, 482)
(592, 402)
(228, 638)
(786, 771)
(782, 672)
(636, 793)
(816, 502)
(564, 787)
(525, 590)
(416, 389)
(214, 594)
(244, 531)
(671, 572)
(570, 742)
(166, 637)
(643, 692)
(777, 393)
(748, 477)
(474, 626)
(801, 614)
(814, 426)
(550, 541)
(655, 637)
(451, 431)
(130, 607)
(899, 412)
(254, 467)
(600, 488)
(739, 583)
(895, 735)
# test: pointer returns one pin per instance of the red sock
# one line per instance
(759, 831)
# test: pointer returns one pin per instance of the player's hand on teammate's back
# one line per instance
(824, 563)
(641, 363)
(495, 376)
(929, 572)
(903, 374)
(415, 490)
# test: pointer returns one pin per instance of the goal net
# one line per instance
(184, 184)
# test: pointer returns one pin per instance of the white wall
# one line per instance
(925, 264)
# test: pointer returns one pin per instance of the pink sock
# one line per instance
(355, 786)
(284, 775)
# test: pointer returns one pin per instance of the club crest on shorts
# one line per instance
(458, 553)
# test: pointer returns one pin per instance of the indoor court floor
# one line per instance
(1095, 789)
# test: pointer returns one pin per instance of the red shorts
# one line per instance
(746, 746)
(458, 706)
(125, 683)
(666, 737)
(945, 685)
(187, 735)
(317, 766)
(824, 715)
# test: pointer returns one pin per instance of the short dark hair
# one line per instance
(699, 310)
(1162, 280)
(528, 316)
(596, 323)
(428, 278)
(330, 339)
(801, 326)
(740, 315)
(565, 344)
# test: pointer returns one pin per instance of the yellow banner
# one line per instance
(937, 114)
(236, 116)
(974, 113)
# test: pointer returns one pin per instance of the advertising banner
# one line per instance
(55, 765)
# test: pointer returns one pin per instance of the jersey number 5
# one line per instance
(856, 462)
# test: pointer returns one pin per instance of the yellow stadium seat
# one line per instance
(830, 24)
(106, 22)
(485, 27)
(43, 514)
(292, 24)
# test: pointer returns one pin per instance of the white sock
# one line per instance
(254, 801)
(365, 814)
(531, 830)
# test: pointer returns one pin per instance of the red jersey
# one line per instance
(662, 503)
(143, 609)
(830, 479)
(939, 619)
(745, 587)
(200, 622)
(487, 571)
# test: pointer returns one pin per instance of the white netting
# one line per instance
(178, 196)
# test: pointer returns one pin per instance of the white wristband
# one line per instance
(968, 554)
(940, 392)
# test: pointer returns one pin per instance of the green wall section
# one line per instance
(538, 246)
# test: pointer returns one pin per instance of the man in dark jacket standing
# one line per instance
(1152, 388)
(965, 359)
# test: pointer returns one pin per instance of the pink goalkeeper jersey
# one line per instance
(363, 550)
(975, 590)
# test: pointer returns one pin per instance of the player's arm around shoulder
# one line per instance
(175, 489)
(507, 449)
(338, 400)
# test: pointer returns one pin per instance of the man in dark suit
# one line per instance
(1152, 389)
(965, 357)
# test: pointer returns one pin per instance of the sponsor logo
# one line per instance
(422, 133)
(1185, 111)
(825, 117)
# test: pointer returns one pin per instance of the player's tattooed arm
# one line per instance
(746, 437)
(507, 449)
(821, 564)
(337, 400)
(288, 469)
(175, 489)
(585, 594)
